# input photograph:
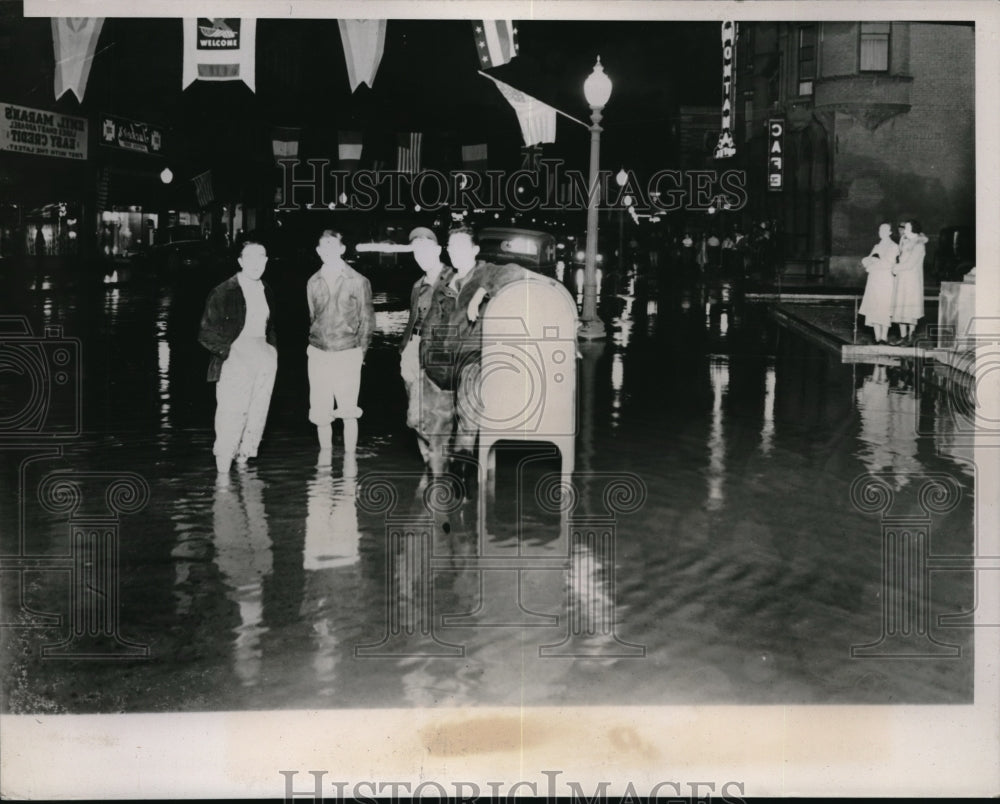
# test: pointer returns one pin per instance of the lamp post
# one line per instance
(597, 90)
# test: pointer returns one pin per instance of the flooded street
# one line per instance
(711, 551)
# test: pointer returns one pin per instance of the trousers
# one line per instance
(243, 397)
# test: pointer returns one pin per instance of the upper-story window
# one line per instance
(874, 47)
(807, 59)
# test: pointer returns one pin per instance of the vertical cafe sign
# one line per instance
(776, 153)
(41, 133)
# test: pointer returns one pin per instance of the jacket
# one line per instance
(342, 317)
(450, 341)
(223, 320)
(418, 310)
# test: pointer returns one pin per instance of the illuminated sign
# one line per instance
(42, 133)
(776, 154)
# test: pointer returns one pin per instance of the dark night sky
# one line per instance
(427, 82)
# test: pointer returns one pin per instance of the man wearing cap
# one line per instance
(451, 345)
(427, 253)
(342, 320)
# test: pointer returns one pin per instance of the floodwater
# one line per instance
(710, 550)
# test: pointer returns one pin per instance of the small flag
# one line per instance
(474, 157)
(364, 41)
(285, 142)
(537, 119)
(74, 41)
(726, 147)
(408, 152)
(349, 150)
(203, 188)
(219, 49)
(496, 42)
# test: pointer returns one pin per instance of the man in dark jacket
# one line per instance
(342, 320)
(237, 328)
(427, 253)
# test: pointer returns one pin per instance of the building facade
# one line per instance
(843, 125)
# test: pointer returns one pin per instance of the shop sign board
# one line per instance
(42, 133)
(776, 154)
(131, 135)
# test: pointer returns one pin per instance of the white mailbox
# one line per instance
(526, 390)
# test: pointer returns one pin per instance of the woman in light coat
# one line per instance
(908, 292)
(876, 306)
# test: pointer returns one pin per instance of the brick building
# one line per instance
(878, 124)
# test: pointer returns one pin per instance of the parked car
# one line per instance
(180, 247)
(530, 248)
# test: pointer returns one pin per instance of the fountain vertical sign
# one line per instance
(42, 133)
(776, 154)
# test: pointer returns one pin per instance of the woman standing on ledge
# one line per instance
(908, 291)
(876, 306)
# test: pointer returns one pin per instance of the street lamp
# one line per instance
(597, 90)
(166, 175)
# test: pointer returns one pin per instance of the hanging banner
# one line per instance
(35, 131)
(364, 41)
(726, 147)
(74, 41)
(217, 49)
(776, 154)
(285, 142)
(537, 119)
(131, 135)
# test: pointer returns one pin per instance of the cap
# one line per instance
(423, 231)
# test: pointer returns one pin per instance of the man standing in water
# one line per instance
(238, 329)
(342, 320)
(427, 253)
(451, 346)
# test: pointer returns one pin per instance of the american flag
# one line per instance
(408, 152)
(203, 188)
(496, 42)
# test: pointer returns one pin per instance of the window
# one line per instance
(807, 59)
(874, 47)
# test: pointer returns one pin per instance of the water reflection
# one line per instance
(767, 427)
(719, 375)
(331, 544)
(888, 411)
(243, 556)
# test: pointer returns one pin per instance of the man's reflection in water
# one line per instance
(243, 555)
(331, 546)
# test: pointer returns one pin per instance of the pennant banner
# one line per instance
(726, 147)
(408, 152)
(364, 41)
(537, 119)
(496, 42)
(74, 42)
(203, 188)
(217, 49)
(285, 142)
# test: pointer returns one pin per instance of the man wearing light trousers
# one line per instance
(238, 329)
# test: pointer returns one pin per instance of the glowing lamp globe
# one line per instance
(597, 87)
